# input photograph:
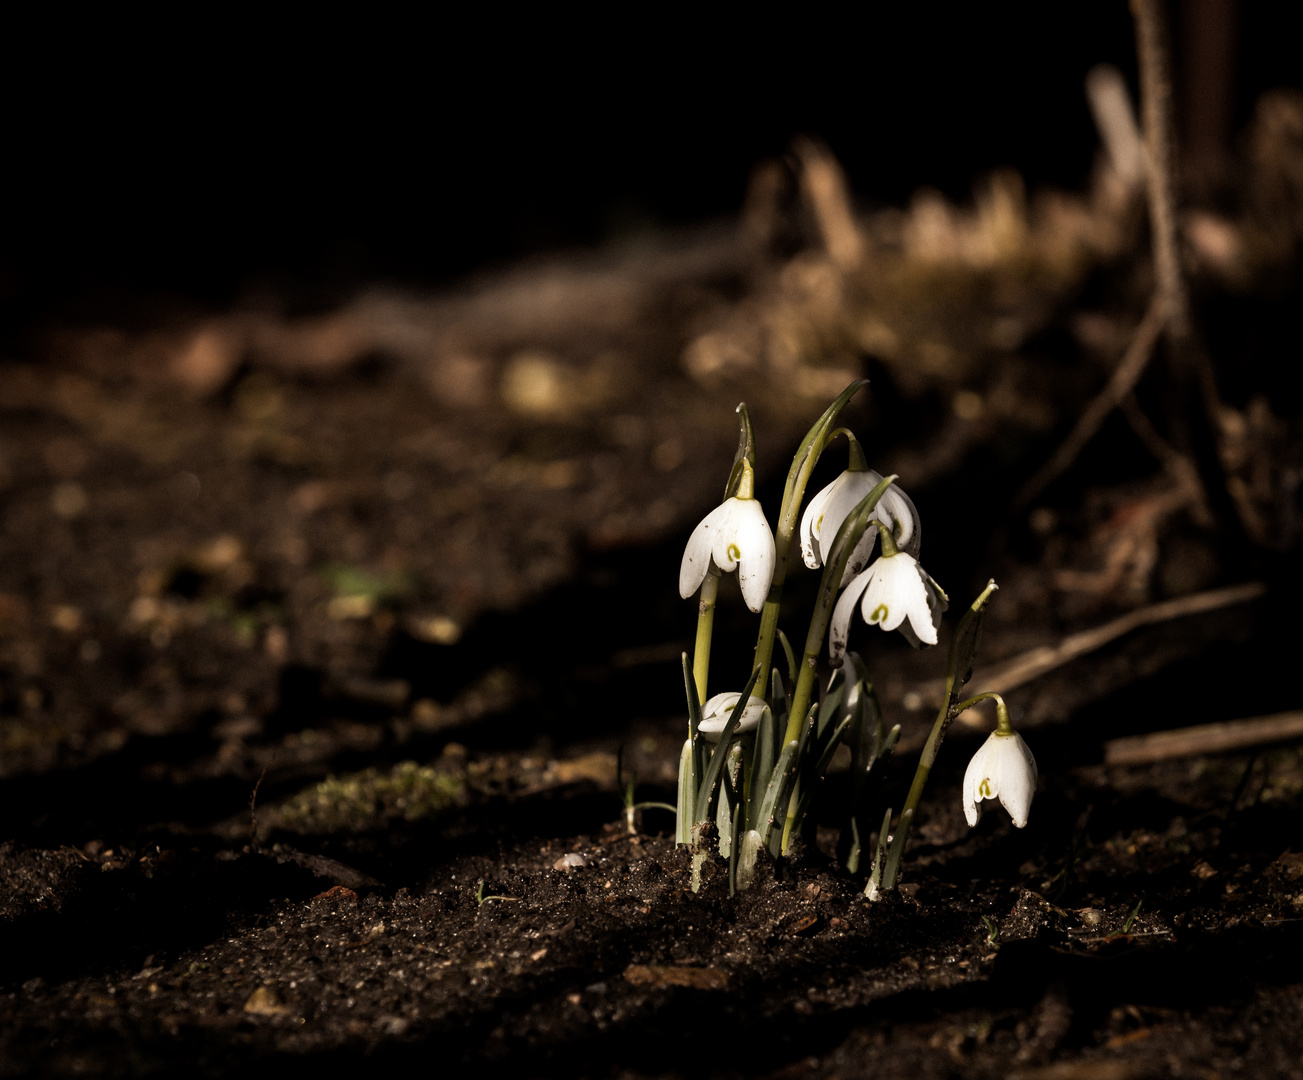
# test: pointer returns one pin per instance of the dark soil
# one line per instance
(418, 624)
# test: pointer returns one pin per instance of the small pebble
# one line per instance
(573, 861)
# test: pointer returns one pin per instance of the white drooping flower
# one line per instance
(716, 711)
(1002, 769)
(896, 593)
(828, 509)
(734, 536)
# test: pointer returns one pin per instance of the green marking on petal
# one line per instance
(734, 552)
(984, 789)
(879, 613)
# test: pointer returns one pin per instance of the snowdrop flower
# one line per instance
(896, 593)
(1002, 769)
(828, 509)
(733, 536)
(716, 711)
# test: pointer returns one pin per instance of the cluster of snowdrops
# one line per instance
(754, 759)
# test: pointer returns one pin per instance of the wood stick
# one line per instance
(1157, 111)
(1030, 665)
(1204, 739)
(1120, 384)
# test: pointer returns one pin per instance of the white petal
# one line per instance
(745, 543)
(812, 525)
(696, 557)
(896, 510)
(1003, 768)
(696, 561)
(716, 711)
(862, 554)
(846, 493)
(1018, 780)
(839, 628)
(974, 776)
(925, 620)
(894, 590)
(724, 546)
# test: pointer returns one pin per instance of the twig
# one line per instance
(1034, 663)
(1120, 385)
(824, 186)
(1178, 465)
(1156, 109)
(253, 811)
(1197, 431)
(1204, 739)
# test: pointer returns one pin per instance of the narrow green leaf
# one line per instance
(852, 860)
(810, 779)
(791, 657)
(762, 762)
(694, 722)
(967, 639)
(778, 782)
(694, 704)
(897, 850)
(875, 879)
(733, 850)
(746, 451)
(687, 794)
(781, 703)
(889, 743)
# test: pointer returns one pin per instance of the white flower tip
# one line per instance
(716, 711)
(811, 523)
(1003, 769)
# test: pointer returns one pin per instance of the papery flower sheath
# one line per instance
(896, 593)
(1003, 768)
(830, 507)
(734, 536)
(716, 711)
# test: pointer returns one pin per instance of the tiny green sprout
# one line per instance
(631, 807)
(1126, 926)
(481, 899)
(992, 931)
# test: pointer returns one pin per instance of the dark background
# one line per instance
(208, 162)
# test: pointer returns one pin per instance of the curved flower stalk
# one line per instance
(896, 594)
(733, 536)
(830, 507)
(715, 714)
(1002, 769)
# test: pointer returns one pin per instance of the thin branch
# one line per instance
(1120, 385)
(824, 184)
(253, 811)
(1036, 662)
(1026, 666)
(1157, 110)
(1178, 465)
(1205, 739)
(1198, 432)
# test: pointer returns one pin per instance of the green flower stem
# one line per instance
(856, 462)
(803, 463)
(705, 627)
(965, 640)
(848, 535)
(1002, 725)
(888, 541)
